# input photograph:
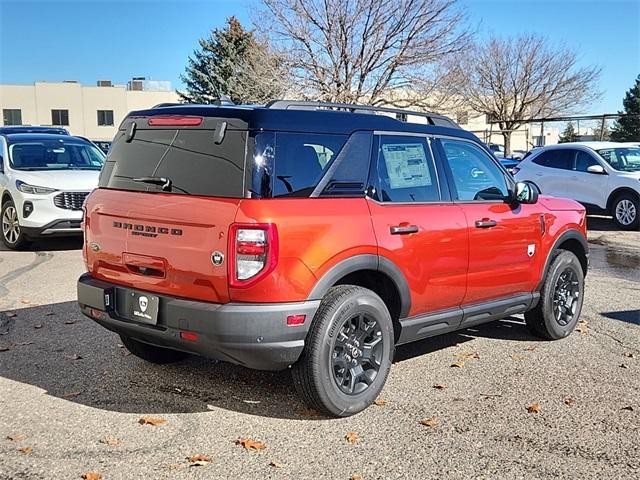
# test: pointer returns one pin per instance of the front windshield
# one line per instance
(54, 155)
(624, 159)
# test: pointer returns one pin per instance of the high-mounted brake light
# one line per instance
(174, 121)
(253, 250)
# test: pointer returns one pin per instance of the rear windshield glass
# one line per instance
(189, 158)
(54, 155)
(291, 164)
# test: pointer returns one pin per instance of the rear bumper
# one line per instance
(248, 334)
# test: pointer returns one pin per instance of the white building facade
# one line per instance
(89, 111)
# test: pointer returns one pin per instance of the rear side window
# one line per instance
(190, 158)
(291, 164)
(561, 158)
(405, 169)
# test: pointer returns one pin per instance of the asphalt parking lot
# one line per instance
(71, 397)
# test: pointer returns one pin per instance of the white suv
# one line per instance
(603, 176)
(44, 180)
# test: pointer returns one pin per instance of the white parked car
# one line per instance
(603, 176)
(44, 180)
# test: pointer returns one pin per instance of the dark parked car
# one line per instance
(33, 129)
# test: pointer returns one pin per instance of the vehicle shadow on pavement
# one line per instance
(51, 245)
(601, 224)
(56, 349)
(629, 316)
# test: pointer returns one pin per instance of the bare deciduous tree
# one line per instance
(371, 51)
(513, 80)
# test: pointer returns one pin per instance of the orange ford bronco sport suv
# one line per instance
(318, 237)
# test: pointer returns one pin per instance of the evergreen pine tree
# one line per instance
(627, 129)
(231, 62)
(569, 134)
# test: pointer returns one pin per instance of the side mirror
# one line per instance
(598, 169)
(527, 192)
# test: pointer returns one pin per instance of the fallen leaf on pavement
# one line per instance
(517, 357)
(429, 422)
(70, 322)
(75, 356)
(48, 314)
(569, 401)
(351, 437)
(11, 314)
(151, 421)
(110, 441)
(439, 386)
(534, 408)
(4, 349)
(247, 443)
(21, 344)
(530, 349)
(38, 326)
(198, 460)
(91, 476)
(277, 465)
(458, 364)
(629, 354)
(357, 476)
(624, 365)
(71, 394)
(16, 437)
(25, 301)
(583, 327)
(380, 402)
(25, 450)
(628, 408)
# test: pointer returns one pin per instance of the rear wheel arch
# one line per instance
(616, 193)
(376, 273)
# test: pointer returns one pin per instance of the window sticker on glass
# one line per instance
(406, 165)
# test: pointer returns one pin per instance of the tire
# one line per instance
(151, 353)
(558, 310)
(12, 235)
(626, 211)
(351, 332)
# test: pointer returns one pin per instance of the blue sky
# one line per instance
(87, 40)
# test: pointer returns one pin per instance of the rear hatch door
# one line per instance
(161, 235)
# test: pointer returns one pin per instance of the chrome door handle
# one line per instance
(486, 223)
(403, 229)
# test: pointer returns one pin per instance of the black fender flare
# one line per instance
(365, 262)
(571, 234)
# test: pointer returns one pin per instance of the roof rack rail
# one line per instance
(401, 114)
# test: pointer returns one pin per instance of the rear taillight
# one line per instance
(175, 121)
(253, 252)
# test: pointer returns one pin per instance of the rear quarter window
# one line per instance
(289, 164)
